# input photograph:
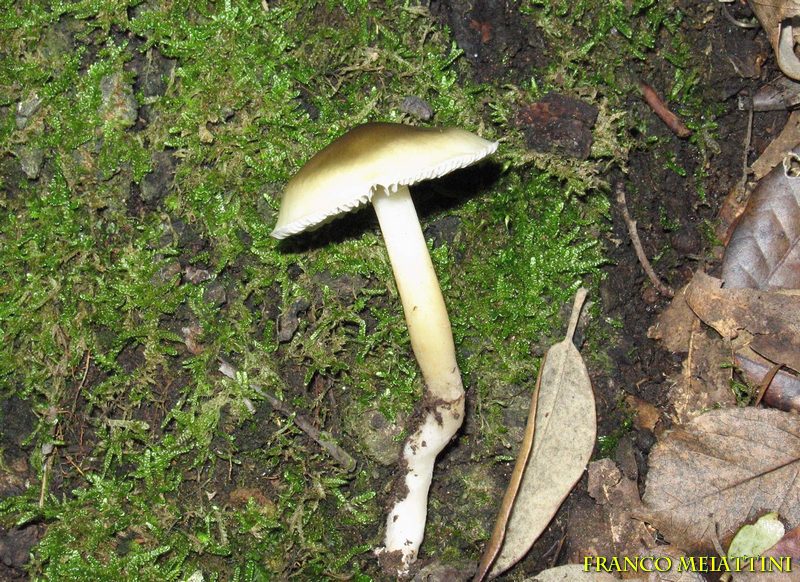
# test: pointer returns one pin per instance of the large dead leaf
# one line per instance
(721, 470)
(764, 250)
(565, 426)
(771, 318)
(673, 327)
(704, 380)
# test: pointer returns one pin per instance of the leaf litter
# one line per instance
(617, 498)
(764, 249)
(763, 252)
(723, 469)
(717, 471)
(704, 380)
(757, 330)
(558, 442)
(769, 322)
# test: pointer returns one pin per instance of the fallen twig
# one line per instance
(322, 438)
(660, 108)
(637, 245)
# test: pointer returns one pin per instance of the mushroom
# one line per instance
(377, 162)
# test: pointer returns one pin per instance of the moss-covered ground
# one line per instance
(143, 149)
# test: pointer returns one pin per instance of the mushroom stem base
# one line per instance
(432, 341)
(405, 524)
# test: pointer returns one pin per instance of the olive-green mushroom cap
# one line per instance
(345, 174)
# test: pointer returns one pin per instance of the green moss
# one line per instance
(607, 444)
(114, 344)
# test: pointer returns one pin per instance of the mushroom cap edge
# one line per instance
(345, 174)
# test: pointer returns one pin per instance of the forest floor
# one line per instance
(143, 152)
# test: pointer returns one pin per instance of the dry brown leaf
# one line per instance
(772, 318)
(721, 470)
(764, 250)
(704, 380)
(646, 416)
(777, 19)
(618, 497)
(673, 326)
(566, 426)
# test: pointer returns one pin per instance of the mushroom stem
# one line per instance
(425, 311)
(432, 342)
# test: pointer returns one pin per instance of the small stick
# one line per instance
(665, 290)
(660, 108)
(48, 464)
(322, 438)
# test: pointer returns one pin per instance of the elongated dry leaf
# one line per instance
(764, 250)
(721, 470)
(565, 427)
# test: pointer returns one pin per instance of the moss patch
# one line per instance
(143, 147)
